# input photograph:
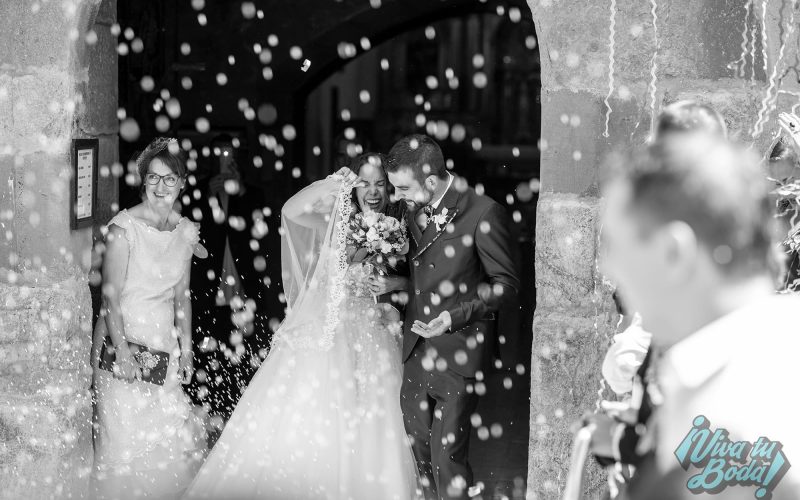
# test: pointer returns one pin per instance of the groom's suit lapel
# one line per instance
(416, 234)
(431, 234)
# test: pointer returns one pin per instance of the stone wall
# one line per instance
(57, 82)
(696, 41)
(45, 407)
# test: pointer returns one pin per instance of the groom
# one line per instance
(461, 272)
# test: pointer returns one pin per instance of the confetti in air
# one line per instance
(611, 35)
(306, 65)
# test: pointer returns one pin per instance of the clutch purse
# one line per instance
(153, 363)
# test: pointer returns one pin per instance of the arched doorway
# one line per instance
(483, 108)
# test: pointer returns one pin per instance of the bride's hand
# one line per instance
(343, 173)
(348, 177)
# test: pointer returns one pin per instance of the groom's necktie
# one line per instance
(424, 219)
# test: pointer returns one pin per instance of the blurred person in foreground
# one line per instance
(626, 367)
(687, 235)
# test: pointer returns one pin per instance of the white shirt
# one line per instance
(436, 203)
(625, 356)
(741, 372)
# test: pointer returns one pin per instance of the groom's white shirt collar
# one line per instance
(436, 203)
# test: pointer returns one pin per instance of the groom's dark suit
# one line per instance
(463, 265)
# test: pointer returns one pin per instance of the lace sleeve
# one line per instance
(337, 282)
(123, 221)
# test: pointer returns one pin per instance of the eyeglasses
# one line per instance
(170, 180)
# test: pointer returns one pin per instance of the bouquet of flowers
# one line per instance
(376, 239)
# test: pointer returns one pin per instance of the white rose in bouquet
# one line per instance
(372, 234)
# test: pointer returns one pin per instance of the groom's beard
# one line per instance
(415, 205)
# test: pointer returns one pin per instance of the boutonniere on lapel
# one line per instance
(440, 219)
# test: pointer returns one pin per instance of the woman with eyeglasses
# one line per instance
(148, 442)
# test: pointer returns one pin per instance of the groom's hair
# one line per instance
(418, 153)
(688, 116)
(714, 186)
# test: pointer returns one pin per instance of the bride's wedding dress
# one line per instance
(321, 418)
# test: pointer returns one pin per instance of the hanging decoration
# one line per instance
(611, 43)
(653, 67)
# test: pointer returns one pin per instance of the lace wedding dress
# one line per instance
(321, 418)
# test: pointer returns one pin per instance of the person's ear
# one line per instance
(681, 249)
(431, 182)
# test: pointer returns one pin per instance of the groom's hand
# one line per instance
(435, 328)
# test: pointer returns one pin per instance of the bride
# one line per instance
(321, 418)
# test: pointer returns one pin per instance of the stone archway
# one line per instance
(57, 83)
(585, 115)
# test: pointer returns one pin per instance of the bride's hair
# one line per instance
(359, 161)
(393, 209)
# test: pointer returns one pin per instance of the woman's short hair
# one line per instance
(174, 161)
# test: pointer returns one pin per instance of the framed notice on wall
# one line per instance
(83, 201)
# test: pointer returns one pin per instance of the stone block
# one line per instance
(574, 148)
(42, 120)
(565, 249)
(566, 382)
(45, 327)
(107, 13)
(36, 37)
(45, 406)
(7, 205)
(575, 50)
(18, 325)
(29, 379)
(6, 109)
(42, 185)
(98, 110)
(46, 447)
(45, 34)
